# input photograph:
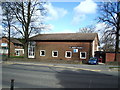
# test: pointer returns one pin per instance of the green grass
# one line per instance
(6, 56)
(113, 63)
(16, 56)
(3, 55)
(113, 67)
(45, 61)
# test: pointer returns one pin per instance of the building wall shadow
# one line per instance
(86, 79)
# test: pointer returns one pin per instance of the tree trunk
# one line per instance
(27, 30)
(117, 35)
(117, 46)
(8, 39)
(26, 50)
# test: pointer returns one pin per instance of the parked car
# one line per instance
(93, 60)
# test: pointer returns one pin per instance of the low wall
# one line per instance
(110, 57)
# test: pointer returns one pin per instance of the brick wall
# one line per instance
(12, 46)
(61, 47)
(110, 57)
(12, 50)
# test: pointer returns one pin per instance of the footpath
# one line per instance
(98, 68)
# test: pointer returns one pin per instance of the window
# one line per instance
(42, 52)
(83, 55)
(68, 54)
(4, 44)
(31, 49)
(54, 53)
(31, 52)
(17, 52)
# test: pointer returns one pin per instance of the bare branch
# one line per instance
(18, 30)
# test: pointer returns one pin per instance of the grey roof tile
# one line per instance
(65, 36)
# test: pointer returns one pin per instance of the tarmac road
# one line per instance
(41, 76)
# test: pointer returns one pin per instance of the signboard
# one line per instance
(76, 47)
(4, 44)
(75, 50)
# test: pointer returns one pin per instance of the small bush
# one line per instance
(84, 61)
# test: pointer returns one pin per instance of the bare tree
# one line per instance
(88, 29)
(110, 15)
(7, 21)
(29, 19)
(108, 43)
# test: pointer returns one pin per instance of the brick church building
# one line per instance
(63, 46)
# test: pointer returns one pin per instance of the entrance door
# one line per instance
(31, 53)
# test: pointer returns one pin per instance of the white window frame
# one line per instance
(53, 53)
(17, 54)
(31, 49)
(81, 55)
(5, 51)
(70, 54)
(41, 53)
(21, 50)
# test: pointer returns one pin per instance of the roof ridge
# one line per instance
(69, 33)
(63, 33)
(65, 36)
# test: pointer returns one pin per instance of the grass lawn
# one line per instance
(16, 56)
(113, 63)
(44, 61)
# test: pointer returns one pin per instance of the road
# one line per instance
(31, 76)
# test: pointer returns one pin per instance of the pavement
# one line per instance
(97, 68)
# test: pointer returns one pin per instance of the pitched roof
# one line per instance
(13, 40)
(65, 36)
